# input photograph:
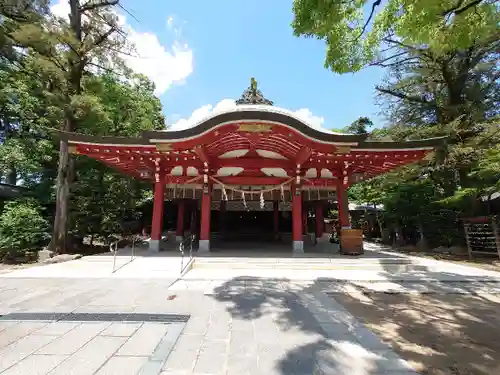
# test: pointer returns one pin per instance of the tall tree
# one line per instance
(64, 51)
(358, 31)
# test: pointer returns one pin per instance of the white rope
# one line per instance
(280, 186)
(244, 201)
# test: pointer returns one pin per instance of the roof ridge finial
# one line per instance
(253, 85)
(252, 95)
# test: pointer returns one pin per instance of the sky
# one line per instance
(202, 54)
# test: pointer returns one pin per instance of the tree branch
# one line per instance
(459, 9)
(97, 4)
(405, 97)
(375, 4)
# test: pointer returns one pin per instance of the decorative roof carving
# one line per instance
(252, 95)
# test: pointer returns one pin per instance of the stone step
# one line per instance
(397, 266)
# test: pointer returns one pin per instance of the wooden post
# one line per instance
(298, 241)
(157, 220)
(343, 206)
(206, 208)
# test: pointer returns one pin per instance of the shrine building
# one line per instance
(253, 169)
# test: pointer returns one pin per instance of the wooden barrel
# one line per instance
(351, 241)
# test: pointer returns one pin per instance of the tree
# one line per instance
(15, 14)
(64, 51)
(358, 32)
(359, 126)
(104, 201)
(22, 227)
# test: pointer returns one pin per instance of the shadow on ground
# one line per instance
(249, 298)
(439, 334)
(445, 329)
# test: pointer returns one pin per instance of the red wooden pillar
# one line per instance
(343, 206)
(179, 232)
(157, 222)
(276, 219)
(206, 206)
(297, 224)
(320, 222)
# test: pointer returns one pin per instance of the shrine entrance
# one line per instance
(252, 156)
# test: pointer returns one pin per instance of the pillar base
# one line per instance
(179, 239)
(154, 245)
(204, 246)
(298, 246)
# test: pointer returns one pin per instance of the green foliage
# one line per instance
(71, 77)
(357, 32)
(22, 226)
(360, 126)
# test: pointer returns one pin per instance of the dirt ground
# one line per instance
(448, 334)
(491, 263)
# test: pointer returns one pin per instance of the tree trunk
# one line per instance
(60, 233)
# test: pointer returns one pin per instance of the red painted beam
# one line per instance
(303, 156)
(201, 153)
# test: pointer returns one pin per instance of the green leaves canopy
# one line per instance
(357, 31)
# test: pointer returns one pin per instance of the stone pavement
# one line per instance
(239, 327)
(265, 321)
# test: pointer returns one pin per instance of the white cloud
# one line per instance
(163, 65)
(200, 113)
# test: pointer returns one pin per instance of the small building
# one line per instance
(252, 171)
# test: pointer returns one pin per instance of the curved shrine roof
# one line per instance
(253, 143)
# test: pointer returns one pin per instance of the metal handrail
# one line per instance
(116, 249)
(188, 241)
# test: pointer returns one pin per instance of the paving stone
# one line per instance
(242, 365)
(5, 325)
(196, 326)
(145, 340)
(36, 365)
(242, 345)
(91, 357)
(74, 339)
(181, 360)
(210, 363)
(214, 347)
(57, 328)
(189, 342)
(15, 352)
(121, 329)
(118, 365)
(14, 332)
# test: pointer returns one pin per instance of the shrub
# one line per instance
(22, 227)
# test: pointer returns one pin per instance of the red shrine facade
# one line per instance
(254, 156)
